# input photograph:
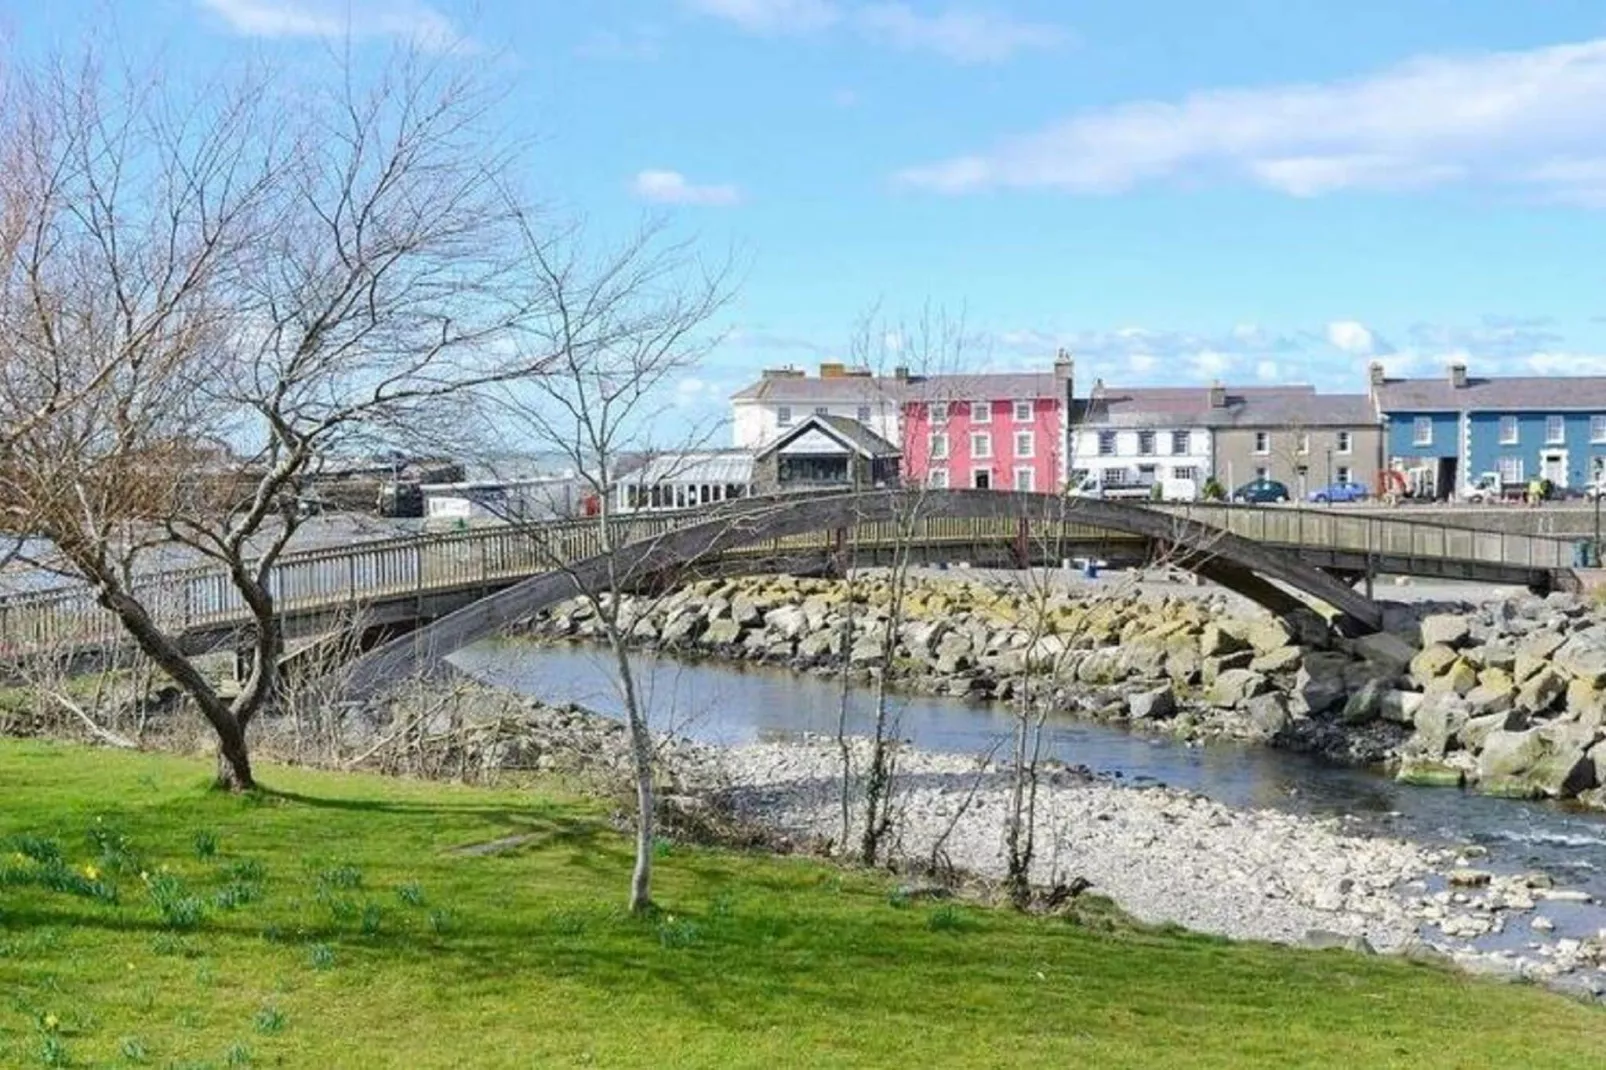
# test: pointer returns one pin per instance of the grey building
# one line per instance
(826, 453)
(1302, 439)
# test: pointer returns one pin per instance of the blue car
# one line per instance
(1340, 492)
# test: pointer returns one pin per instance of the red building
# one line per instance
(991, 431)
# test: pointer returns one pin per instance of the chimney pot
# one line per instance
(1374, 372)
(1458, 375)
(1218, 396)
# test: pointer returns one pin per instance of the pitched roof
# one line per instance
(861, 389)
(865, 389)
(1515, 392)
(986, 386)
(1246, 406)
(695, 466)
(1301, 410)
(851, 433)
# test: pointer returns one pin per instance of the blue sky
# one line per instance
(1177, 191)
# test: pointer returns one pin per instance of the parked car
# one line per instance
(1261, 492)
(1340, 492)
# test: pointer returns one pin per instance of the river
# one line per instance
(726, 703)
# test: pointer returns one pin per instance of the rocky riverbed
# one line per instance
(1509, 698)
(1161, 854)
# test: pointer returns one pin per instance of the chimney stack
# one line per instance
(1374, 373)
(1218, 395)
(1458, 374)
(832, 370)
(901, 373)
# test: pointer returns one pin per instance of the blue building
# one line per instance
(1457, 428)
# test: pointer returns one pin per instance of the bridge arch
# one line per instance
(1235, 562)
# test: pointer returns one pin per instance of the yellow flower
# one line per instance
(145, 876)
(51, 1022)
(19, 858)
(92, 873)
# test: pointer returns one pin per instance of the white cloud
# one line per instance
(410, 19)
(1212, 362)
(1352, 337)
(1567, 364)
(1268, 371)
(1528, 119)
(1143, 362)
(671, 187)
(959, 35)
(771, 16)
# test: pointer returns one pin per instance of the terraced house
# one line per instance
(1452, 430)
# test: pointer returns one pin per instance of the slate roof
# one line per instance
(849, 432)
(1247, 406)
(842, 389)
(698, 466)
(849, 389)
(1506, 393)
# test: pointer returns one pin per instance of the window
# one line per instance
(1597, 429)
(939, 446)
(864, 414)
(822, 410)
(783, 415)
(1508, 431)
(1262, 441)
(937, 412)
(981, 412)
(1023, 412)
(1146, 443)
(1343, 473)
(1511, 469)
(1148, 474)
(938, 478)
(1106, 443)
(1555, 429)
(981, 446)
(981, 479)
(1185, 472)
(1179, 443)
(1422, 431)
(1346, 442)
(1263, 473)
(1025, 479)
(1025, 444)
(1304, 442)
(1113, 477)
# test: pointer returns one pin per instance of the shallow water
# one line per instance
(720, 702)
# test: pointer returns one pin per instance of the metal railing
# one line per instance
(333, 578)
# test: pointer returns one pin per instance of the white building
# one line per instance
(509, 501)
(1142, 437)
(784, 397)
(685, 480)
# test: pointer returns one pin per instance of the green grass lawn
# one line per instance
(331, 921)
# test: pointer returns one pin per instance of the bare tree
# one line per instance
(212, 294)
(623, 327)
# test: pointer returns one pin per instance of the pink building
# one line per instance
(989, 431)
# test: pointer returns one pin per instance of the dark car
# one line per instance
(1261, 492)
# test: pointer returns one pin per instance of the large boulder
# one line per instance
(720, 633)
(1385, 650)
(1583, 657)
(745, 612)
(1155, 704)
(1438, 719)
(1364, 705)
(1268, 715)
(1322, 684)
(682, 628)
(1216, 641)
(1268, 634)
(1458, 679)
(788, 622)
(1277, 659)
(1476, 731)
(1446, 629)
(1400, 706)
(1431, 663)
(1545, 761)
(1235, 687)
(1534, 652)
(1540, 691)
(1498, 655)
(1215, 665)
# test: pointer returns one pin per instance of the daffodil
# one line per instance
(92, 873)
(51, 1022)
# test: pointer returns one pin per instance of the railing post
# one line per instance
(1022, 545)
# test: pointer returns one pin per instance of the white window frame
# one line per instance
(1422, 431)
(822, 410)
(1510, 431)
(937, 479)
(1115, 444)
(865, 414)
(1185, 472)
(1024, 411)
(938, 446)
(1262, 443)
(1184, 437)
(1154, 444)
(1026, 479)
(1346, 443)
(1555, 430)
(1030, 439)
(983, 440)
(1304, 442)
(981, 412)
(1510, 469)
(1343, 473)
(1597, 427)
(937, 412)
(783, 416)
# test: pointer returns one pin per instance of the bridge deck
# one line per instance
(412, 569)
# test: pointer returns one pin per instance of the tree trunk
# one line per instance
(641, 762)
(234, 763)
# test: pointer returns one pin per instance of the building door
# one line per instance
(982, 479)
(1553, 466)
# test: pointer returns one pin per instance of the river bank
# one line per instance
(1162, 854)
(1508, 698)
